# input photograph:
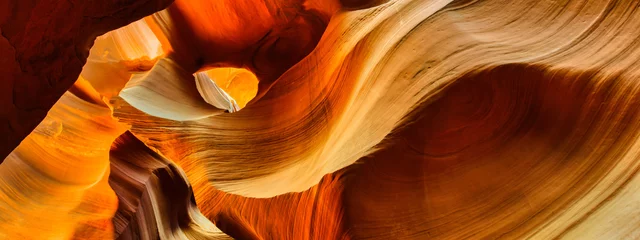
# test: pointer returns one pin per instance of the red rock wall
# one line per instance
(43, 46)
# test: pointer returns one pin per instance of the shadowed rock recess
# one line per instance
(320, 119)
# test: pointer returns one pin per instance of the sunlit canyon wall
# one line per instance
(320, 119)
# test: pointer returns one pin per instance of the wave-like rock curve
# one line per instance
(369, 70)
(406, 119)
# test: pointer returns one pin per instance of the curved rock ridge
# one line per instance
(155, 199)
(514, 151)
(369, 70)
(160, 92)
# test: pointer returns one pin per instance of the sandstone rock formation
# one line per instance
(55, 184)
(314, 119)
(43, 45)
(155, 199)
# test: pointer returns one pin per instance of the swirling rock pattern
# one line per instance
(516, 151)
(370, 69)
(155, 199)
(393, 119)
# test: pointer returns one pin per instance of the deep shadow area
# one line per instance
(502, 151)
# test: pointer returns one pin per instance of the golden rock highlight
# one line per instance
(310, 119)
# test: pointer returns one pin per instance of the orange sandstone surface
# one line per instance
(320, 119)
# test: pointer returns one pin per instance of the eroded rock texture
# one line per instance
(398, 119)
(55, 184)
(43, 45)
(516, 151)
(370, 69)
(155, 199)
(316, 213)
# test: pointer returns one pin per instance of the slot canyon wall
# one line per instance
(320, 119)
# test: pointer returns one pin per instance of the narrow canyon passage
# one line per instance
(314, 119)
